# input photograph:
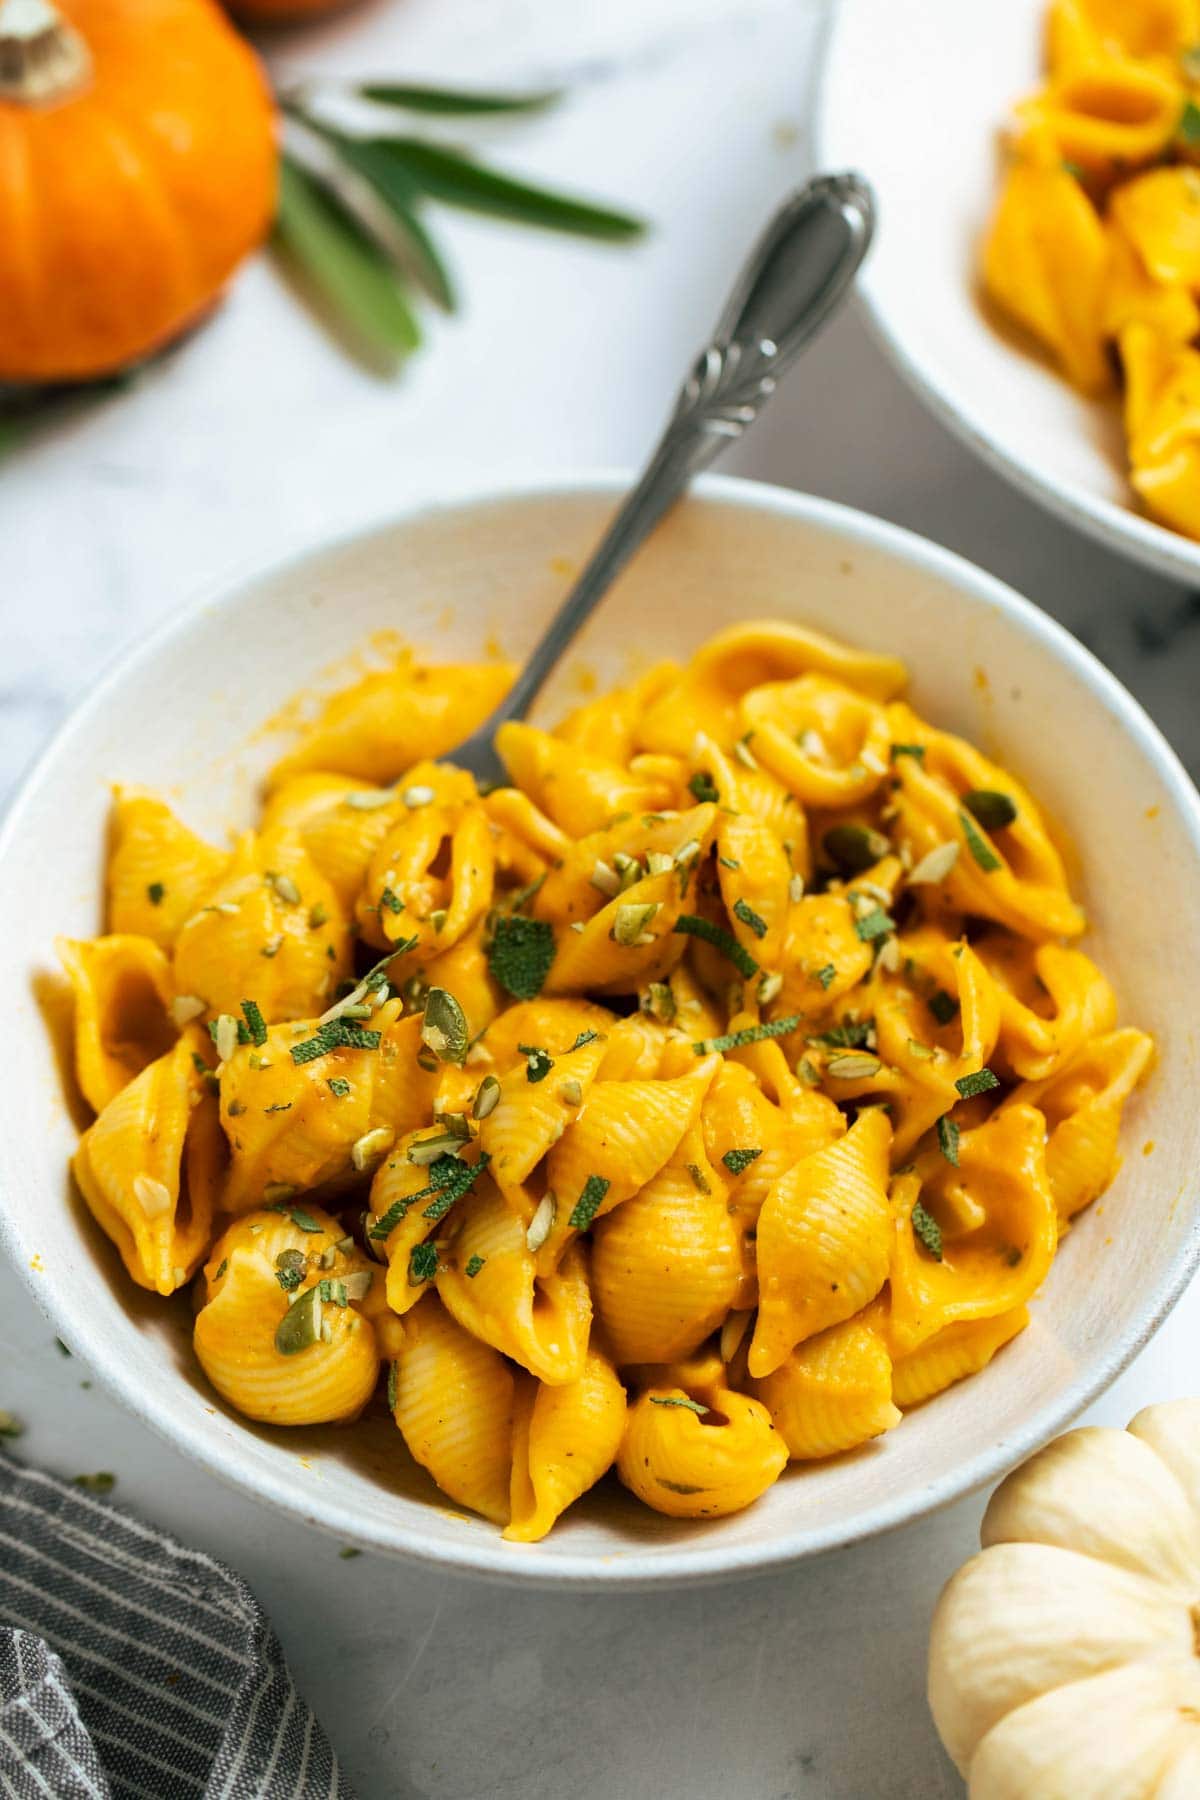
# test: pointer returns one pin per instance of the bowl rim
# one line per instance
(1117, 527)
(649, 1568)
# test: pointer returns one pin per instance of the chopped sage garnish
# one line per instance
(589, 1202)
(749, 1034)
(422, 1264)
(724, 941)
(947, 1136)
(851, 1034)
(942, 1005)
(335, 1034)
(538, 1062)
(874, 924)
(448, 1176)
(979, 847)
(748, 917)
(927, 1231)
(977, 1083)
(101, 1483)
(302, 1220)
(256, 1025)
(520, 955)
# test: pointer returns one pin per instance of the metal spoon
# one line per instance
(796, 277)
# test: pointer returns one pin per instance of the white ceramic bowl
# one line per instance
(914, 96)
(182, 712)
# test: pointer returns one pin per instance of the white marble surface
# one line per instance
(807, 1686)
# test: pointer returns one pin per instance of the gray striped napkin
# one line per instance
(133, 1666)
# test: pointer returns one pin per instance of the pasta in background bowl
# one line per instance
(917, 100)
(599, 1122)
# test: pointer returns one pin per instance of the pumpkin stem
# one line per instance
(42, 57)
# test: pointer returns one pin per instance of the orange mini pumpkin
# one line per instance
(137, 168)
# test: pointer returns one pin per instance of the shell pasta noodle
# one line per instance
(698, 1103)
(1093, 248)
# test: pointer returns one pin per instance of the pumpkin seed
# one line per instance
(444, 1029)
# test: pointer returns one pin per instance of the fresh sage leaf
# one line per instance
(454, 102)
(348, 270)
(422, 261)
(458, 180)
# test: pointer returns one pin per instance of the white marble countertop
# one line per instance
(809, 1685)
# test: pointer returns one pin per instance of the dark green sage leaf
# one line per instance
(348, 271)
(458, 180)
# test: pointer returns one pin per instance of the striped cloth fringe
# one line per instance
(131, 1666)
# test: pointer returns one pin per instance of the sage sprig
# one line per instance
(352, 204)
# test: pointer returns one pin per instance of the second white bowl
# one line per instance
(915, 97)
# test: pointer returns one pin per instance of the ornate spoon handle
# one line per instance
(795, 278)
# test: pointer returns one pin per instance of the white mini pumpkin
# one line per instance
(1063, 1663)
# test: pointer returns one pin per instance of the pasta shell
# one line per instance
(431, 878)
(377, 729)
(531, 1116)
(159, 872)
(953, 1353)
(1082, 1105)
(328, 1381)
(666, 1266)
(622, 1135)
(705, 696)
(833, 1392)
(564, 1439)
(292, 1126)
(123, 990)
(1005, 1230)
(132, 1171)
(265, 933)
(696, 1461)
(823, 1241)
(542, 1323)
(454, 1407)
(826, 743)
(577, 789)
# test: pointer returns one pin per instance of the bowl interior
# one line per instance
(186, 714)
(916, 100)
